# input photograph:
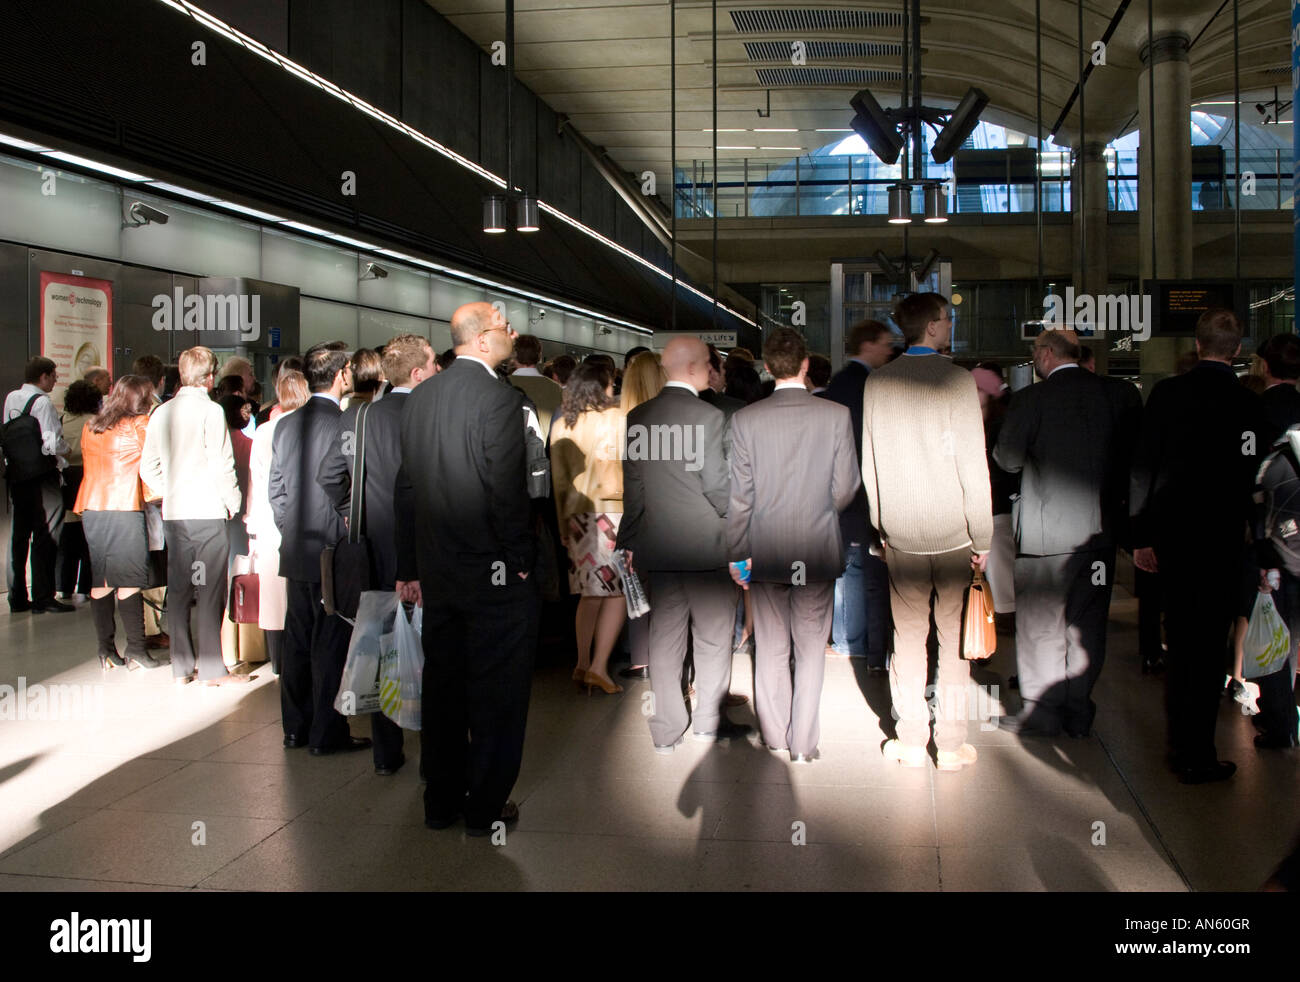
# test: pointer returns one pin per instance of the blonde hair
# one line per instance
(196, 364)
(403, 355)
(643, 379)
(291, 390)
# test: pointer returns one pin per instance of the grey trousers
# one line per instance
(789, 709)
(913, 581)
(703, 602)
(1062, 604)
(197, 553)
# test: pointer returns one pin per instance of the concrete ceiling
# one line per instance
(605, 63)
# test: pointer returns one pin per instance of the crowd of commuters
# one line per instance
(766, 506)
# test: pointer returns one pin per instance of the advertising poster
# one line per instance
(76, 326)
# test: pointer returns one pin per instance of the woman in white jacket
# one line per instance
(272, 600)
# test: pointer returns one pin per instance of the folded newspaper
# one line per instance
(633, 592)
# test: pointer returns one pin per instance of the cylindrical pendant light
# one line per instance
(936, 204)
(526, 214)
(494, 213)
(900, 204)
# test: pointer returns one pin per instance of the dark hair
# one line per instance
(150, 366)
(864, 332)
(915, 312)
(323, 362)
(227, 385)
(586, 390)
(446, 358)
(291, 364)
(819, 371)
(129, 397)
(606, 360)
(1219, 332)
(562, 366)
(741, 381)
(1281, 353)
(233, 406)
(528, 350)
(367, 372)
(82, 398)
(632, 353)
(1086, 355)
(171, 379)
(37, 367)
(715, 359)
(783, 352)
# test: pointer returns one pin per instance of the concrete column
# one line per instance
(1165, 189)
(1088, 196)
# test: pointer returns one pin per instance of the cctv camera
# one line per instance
(374, 272)
(143, 214)
(541, 313)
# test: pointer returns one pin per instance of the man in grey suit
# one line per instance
(1072, 437)
(793, 470)
(675, 490)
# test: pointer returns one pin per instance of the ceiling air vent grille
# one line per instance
(773, 77)
(777, 21)
(822, 50)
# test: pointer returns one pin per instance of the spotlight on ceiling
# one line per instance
(494, 213)
(526, 214)
(936, 204)
(900, 204)
(963, 121)
(873, 124)
(141, 214)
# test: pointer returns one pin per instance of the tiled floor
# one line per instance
(148, 786)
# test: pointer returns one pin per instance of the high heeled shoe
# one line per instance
(107, 662)
(604, 685)
(580, 676)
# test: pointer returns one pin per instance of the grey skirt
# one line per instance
(119, 548)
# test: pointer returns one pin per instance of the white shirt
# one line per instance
(682, 385)
(486, 367)
(529, 371)
(326, 395)
(1070, 364)
(399, 388)
(791, 383)
(52, 442)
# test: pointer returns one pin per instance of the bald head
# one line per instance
(469, 321)
(687, 360)
(480, 330)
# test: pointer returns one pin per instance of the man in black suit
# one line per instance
(407, 361)
(1071, 436)
(315, 643)
(465, 548)
(1193, 478)
(861, 625)
(674, 525)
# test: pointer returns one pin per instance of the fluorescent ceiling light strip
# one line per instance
(183, 192)
(13, 141)
(72, 158)
(245, 210)
(209, 21)
(777, 131)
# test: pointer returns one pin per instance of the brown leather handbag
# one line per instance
(244, 595)
(979, 636)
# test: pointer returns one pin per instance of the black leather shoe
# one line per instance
(52, 607)
(291, 742)
(1267, 741)
(641, 672)
(1207, 773)
(352, 743)
(19, 607)
(388, 770)
(509, 815)
(441, 823)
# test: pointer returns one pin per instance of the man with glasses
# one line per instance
(1071, 437)
(466, 547)
(927, 482)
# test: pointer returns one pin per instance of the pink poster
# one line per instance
(76, 326)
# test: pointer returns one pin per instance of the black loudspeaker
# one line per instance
(959, 126)
(873, 125)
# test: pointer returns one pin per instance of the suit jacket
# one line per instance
(675, 503)
(846, 389)
(304, 514)
(462, 497)
(793, 470)
(1282, 407)
(1192, 483)
(1071, 438)
(383, 459)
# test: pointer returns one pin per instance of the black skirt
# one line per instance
(119, 548)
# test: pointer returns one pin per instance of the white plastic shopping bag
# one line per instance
(402, 671)
(372, 635)
(1267, 642)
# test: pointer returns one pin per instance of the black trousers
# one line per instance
(72, 569)
(1062, 603)
(479, 653)
(1199, 595)
(197, 553)
(311, 668)
(36, 525)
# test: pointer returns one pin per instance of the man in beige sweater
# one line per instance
(927, 484)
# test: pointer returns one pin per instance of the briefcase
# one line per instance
(979, 636)
(345, 566)
(244, 593)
